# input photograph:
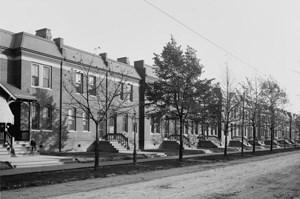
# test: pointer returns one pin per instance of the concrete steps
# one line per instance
(119, 147)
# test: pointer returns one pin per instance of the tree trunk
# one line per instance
(226, 134)
(272, 133)
(181, 140)
(254, 138)
(96, 147)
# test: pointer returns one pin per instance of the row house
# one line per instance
(34, 74)
(285, 124)
(160, 128)
(38, 74)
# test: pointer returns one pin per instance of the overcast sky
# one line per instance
(263, 33)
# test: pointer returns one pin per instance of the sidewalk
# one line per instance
(90, 165)
(101, 163)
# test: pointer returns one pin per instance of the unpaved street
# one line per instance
(273, 176)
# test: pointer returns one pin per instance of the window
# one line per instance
(121, 90)
(41, 76)
(47, 117)
(152, 124)
(79, 82)
(85, 122)
(125, 123)
(157, 125)
(35, 75)
(35, 119)
(47, 77)
(102, 128)
(113, 123)
(92, 85)
(24, 117)
(72, 119)
(131, 93)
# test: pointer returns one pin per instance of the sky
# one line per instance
(264, 34)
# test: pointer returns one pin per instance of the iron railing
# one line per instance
(119, 137)
(6, 138)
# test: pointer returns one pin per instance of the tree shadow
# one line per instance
(47, 136)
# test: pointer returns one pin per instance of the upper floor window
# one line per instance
(47, 117)
(85, 122)
(35, 119)
(35, 75)
(121, 90)
(131, 93)
(41, 75)
(92, 85)
(47, 77)
(79, 82)
(72, 119)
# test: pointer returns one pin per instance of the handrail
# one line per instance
(7, 138)
(119, 137)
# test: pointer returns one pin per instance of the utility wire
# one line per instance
(203, 37)
(208, 40)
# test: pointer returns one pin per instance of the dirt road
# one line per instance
(273, 176)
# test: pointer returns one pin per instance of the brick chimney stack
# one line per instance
(44, 33)
(124, 60)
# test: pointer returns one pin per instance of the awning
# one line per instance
(6, 115)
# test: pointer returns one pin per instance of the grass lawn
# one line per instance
(54, 177)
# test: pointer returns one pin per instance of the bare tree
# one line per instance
(99, 90)
(274, 98)
(252, 96)
(230, 104)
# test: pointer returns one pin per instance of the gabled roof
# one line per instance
(16, 93)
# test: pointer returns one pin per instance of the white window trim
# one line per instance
(41, 76)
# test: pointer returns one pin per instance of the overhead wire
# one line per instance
(209, 40)
(203, 37)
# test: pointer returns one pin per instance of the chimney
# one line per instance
(104, 56)
(44, 33)
(124, 60)
(60, 44)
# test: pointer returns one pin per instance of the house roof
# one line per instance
(28, 42)
(16, 93)
(122, 68)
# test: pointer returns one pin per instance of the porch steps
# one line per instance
(208, 144)
(120, 148)
(238, 143)
(3, 151)
(23, 148)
